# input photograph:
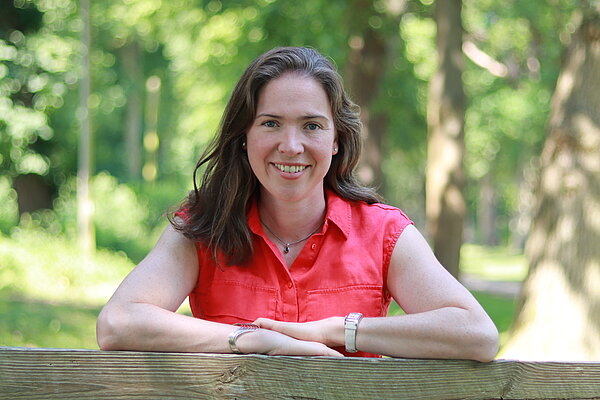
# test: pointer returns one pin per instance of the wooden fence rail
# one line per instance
(91, 374)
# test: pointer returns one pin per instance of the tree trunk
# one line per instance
(365, 70)
(486, 217)
(131, 56)
(85, 206)
(559, 313)
(33, 193)
(520, 223)
(445, 203)
(151, 139)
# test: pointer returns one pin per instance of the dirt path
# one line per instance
(500, 288)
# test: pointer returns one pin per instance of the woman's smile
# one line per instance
(290, 168)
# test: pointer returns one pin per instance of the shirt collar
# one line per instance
(338, 212)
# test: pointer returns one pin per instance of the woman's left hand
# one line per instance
(329, 331)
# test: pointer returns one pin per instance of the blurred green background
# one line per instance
(161, 73)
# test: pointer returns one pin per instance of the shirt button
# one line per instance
(290, 285)
(313, 246)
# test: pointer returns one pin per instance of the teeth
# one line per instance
(290, 168)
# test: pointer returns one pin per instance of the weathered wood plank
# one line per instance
(92, 374)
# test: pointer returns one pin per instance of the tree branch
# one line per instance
(482, 59)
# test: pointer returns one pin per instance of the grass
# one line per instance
(493, 263)
(50, 295)
(27, 322)
(501, 309)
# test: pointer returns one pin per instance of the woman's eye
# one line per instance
(312, 127)
(270, 124)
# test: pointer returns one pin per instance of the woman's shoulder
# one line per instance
(368, 216)
(378, 210)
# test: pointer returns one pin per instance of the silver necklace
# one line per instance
(286, 246)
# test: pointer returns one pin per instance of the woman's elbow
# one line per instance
(487, 343)
(109, 328)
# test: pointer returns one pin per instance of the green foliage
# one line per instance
(119, 216)
(20, 125)
(8, 205)
(419, 35)
(161, 198)
(405, 100)
(126, 219)
(47, 267)
(506, 117)
(38, 64)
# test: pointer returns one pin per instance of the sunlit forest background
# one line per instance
(105, 107)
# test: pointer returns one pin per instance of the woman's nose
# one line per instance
(291, 142)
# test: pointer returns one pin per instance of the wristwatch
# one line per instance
(350, 328)
(234, 335)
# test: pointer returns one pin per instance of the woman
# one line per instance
(279, 233)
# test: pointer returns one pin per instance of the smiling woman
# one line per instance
(281, 251)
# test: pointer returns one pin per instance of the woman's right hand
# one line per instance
(264, 341)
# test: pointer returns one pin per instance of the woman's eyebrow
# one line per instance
(304, 117)
(315, 116)
(268, 115)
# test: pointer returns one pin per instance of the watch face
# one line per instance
(353, 318)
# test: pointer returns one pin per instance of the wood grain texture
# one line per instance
(93, 374)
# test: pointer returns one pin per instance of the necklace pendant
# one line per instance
(286, 249)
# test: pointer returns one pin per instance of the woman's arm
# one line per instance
(443, 319)
(141, 315)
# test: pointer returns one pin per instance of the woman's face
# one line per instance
(292, 139)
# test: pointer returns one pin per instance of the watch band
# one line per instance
(350, 327)
(234, 335)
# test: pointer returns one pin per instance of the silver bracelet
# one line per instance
(350, 327)
(234, 335)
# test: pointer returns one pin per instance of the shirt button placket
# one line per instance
(290, 302)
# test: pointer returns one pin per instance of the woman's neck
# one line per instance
(292, 221)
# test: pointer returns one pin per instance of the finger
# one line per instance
(333, 353)
(287, 328)
(310, 348)
(321, 350)
(266, 323)
(299, 330)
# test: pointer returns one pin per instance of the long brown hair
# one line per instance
(216, 208)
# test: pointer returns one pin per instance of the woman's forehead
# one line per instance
(301, 95)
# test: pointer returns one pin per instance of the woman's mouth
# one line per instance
(290, 168)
